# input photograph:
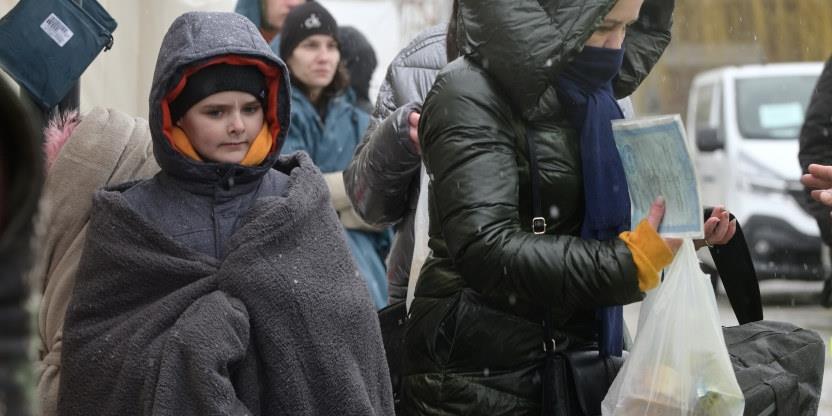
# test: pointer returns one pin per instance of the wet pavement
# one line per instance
(794, 302)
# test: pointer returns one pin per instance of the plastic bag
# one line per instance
(421, 251)
(679, 364)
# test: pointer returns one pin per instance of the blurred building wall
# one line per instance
(713, 33)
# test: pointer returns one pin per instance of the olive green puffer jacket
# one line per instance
(474, 338)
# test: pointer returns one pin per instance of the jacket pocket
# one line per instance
(429, 334)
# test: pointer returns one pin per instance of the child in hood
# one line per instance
(222, 285)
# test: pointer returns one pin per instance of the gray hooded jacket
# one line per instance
(382, 180)
(200, 204)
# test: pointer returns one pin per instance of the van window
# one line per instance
(773, 107)
(704, 100)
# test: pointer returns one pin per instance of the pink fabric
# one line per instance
(57, 133)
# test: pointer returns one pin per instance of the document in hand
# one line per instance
(657, 163)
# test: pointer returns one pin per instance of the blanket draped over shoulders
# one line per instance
(282, 325)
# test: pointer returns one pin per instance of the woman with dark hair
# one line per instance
(360, 61)
(328, 126)
(528, 210)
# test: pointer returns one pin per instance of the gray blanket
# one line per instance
(282, 325)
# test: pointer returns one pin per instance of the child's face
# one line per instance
(222, 126)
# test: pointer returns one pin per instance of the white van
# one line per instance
(744, 124)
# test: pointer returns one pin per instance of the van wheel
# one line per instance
(826, 294)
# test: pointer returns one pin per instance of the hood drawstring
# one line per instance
(229, 181)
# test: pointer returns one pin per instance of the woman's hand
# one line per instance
(819, 179)
(413, 132)
(718, 229)
(654, 218)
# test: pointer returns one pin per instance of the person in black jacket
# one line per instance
(21, 179)
(496, 270)
(816, 148)
(382, 180)
(815, 156)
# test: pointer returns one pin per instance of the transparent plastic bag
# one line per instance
(679, 363)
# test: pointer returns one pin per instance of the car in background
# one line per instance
(743, 124)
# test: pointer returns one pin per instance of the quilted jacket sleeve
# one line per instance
(646, 40)
(469, 149)
(379, 177)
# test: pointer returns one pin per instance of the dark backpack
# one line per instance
(779, 366)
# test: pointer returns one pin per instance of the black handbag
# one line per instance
(392, 320)
(575, 381)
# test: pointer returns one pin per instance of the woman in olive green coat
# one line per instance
(474, 338)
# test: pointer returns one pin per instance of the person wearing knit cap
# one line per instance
(218, 285)
(309, 46)
(328, 126)
(218, 78)
(219, 115)
(304, 21)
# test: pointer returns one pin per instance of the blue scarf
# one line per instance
(585, 90)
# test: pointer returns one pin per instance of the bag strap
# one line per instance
(736, 270)
(538, 226)
(538, 220)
